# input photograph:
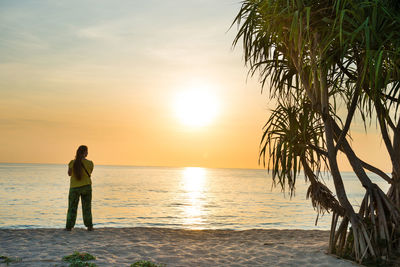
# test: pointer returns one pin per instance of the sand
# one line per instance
(124, 246)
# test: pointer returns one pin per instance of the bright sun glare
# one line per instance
(196, 106)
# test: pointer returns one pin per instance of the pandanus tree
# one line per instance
(313, 56)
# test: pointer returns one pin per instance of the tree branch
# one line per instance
(337, 178)
(346, 71)
(391, 98)
(384, 132)
(349, 118)
(365, 164)
(353, 159)
(376, 171)
(396, 147)
(318, 150)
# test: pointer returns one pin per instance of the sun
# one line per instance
(196, 107)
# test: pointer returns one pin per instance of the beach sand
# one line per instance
(124, 246)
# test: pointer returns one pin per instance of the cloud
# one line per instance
(112, 31)
(21, 123)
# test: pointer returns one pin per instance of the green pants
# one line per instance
(85, 193)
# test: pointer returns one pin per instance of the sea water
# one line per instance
(36, 196)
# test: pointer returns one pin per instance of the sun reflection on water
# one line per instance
(193, 181)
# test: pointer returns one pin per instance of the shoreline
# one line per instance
(173, 247)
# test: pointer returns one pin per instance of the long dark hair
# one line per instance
(81, 153)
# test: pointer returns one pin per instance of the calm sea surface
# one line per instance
(35, 196)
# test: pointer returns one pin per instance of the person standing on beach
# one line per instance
(80, 170)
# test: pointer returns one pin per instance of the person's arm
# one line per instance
(91, 167)
(69, 169)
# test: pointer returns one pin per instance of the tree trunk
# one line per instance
(382, 216)
(394, 190)
(361, 243)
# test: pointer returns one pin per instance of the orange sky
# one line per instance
(107, 75)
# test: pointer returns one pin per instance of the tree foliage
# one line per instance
(311, 56)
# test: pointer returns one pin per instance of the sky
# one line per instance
(109, 74)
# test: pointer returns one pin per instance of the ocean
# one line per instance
(35, 196)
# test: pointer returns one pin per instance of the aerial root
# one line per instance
(374, 231)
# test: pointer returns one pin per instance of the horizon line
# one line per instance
(127, 165)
